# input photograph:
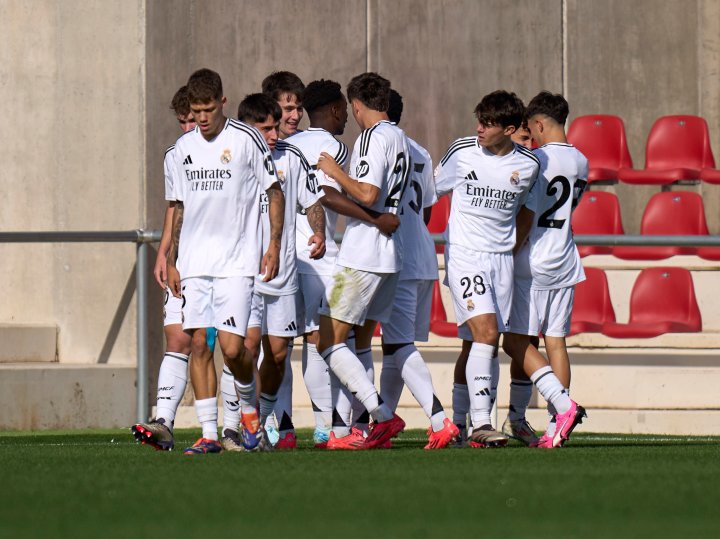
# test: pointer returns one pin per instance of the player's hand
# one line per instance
(160, 271)
(173, 281)
(270, 265)
(318, 249)
(328, 165)
(387, 223)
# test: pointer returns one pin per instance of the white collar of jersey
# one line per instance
(317, 129)
(566, 144)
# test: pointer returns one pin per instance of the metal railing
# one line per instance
(143, 237)
(140, 237)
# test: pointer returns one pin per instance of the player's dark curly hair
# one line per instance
(371, 90)
(255, 108)
(500, 108)
(320, 93)
(180, 103)
(395, 109)
(204, 85)
(553, 105)
(283, 82)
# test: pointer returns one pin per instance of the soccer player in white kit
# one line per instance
(368, 264)
(216, 248)
(490, 178)
(410, 317)
(274, 302)
(172, 377)
(326, 107)
(547, 268)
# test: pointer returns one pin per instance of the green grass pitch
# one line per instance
(101, 484)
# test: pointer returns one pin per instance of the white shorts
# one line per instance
(410, 316)
(480, 283)
(307, 300)
(541, 311)
(275, 315)
(219, 302)
(354, 296)
(172, 309)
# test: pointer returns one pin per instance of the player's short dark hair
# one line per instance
(395, 108)
(501, 108)
(320, 93)
(371, 90)
(180, 103)
(255, 108)
(283, 82)
(204, 86)
(553, 105)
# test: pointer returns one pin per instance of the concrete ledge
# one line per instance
(41, 396)
(28, 342)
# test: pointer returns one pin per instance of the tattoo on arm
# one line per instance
(276, 199)
(178, 215)
(316, 218)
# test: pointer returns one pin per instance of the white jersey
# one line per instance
(550, 256)
(419, 258)
(312, 143)
(219, 182)
(301, 191)
(380, 157)
(170, 171)
(487, 192)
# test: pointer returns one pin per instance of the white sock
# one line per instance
(352, 374)
(267, 405)
(207, 413)
(391, 383)
(283, 407)
(495, 366)
(316, 374)
(520, 393)
(231, 403)
(247, 395)
(417, 377)
(479, 377)
(360, 416)
(172, 380)
(461, 404)
(341, 407)
(551, 389)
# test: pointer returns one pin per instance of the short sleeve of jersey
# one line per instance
(372, 164)
(429, 192)
(262, 162)
(308, 187)
(341, 158)
(444, 175)
(531, 200)
(169, 169)
(178, 186)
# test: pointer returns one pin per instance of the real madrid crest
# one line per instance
(515, 177)
(281, 176)
(226, 156)
(470, 305)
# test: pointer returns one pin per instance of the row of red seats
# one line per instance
(677, 150)
(662, 301)
(668, 213)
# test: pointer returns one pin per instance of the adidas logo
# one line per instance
(188, 160)
(230, 322)
(472, 176)
(291, 327)
(483, 392)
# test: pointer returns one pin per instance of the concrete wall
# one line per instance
(72, 78)
(88, 86)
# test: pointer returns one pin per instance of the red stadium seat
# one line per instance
(677, 149)
(668, 213)
(597, 213)
(662, 301)
(592, 307)
(439, 219)
(601, 138)
(710, 175)
(439, 324)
